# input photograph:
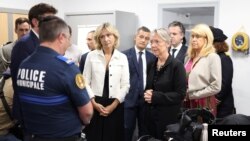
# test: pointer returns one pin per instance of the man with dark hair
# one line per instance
(52, 89)
(22, 27)
(91, 45)
(138, 71)
(178, 49)
(26, 46)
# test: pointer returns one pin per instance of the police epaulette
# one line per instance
(64, 59)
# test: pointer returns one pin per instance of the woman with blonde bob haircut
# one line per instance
(111, 30)
(203, 68)
(107, 75)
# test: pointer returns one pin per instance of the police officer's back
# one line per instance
(51, 89)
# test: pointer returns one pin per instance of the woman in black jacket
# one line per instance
(166, 87)
(225, 96)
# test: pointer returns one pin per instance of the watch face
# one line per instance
(239, 40)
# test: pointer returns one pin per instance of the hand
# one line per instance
(110, 108)
(217, 101)
(99, 107)
(148, 95)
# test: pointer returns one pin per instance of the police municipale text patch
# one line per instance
(80, 81)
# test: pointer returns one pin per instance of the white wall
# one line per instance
(228, 19)
(232, 15)
(27, 4)
(146, 10)
(205, 19)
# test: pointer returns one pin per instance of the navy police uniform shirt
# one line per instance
(50, 88)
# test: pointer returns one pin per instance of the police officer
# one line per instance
(54, 101)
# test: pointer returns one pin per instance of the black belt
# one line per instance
(71, 138)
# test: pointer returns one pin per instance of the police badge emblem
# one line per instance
(80, 81)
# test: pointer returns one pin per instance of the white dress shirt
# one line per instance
(177, 50)
(144, 64)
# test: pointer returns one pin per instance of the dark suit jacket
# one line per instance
(82, 61)
(182, 53)
(132, 98)
(22, 49)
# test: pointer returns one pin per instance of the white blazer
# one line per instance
(94, 73)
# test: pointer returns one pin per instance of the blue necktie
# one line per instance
(140, 65)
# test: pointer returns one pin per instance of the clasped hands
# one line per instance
(148, 95)
(105, 111)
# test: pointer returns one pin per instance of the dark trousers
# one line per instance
(130, 117)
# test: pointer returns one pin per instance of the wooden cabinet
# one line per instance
(7, 23)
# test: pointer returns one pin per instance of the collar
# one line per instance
(137, 50)
(35, 33)
(115, 53)
(177, 48)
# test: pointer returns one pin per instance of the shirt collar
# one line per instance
(137, 50)
(35, 33)
(177, 48)
(115, 53)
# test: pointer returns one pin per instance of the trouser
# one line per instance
(131, 117)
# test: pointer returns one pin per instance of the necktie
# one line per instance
(140, 65)
(173, 51)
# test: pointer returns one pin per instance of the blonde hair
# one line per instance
(110, 28)
(204, 31)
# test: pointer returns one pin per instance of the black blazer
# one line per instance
(169, 90)
(182, 53)
(132, 98)
(226, 106)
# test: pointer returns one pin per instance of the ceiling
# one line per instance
(193, 11)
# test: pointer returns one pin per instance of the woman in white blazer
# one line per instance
(203, 68)
(107, 75)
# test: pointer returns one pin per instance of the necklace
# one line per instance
(159, 65)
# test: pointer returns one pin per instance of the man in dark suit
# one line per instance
(91, 45)
(26, 46)
(134, 99)
(178, 48)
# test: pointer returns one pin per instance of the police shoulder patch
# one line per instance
(80, 82)
(64, 59)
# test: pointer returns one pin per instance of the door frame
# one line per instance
(164, 6)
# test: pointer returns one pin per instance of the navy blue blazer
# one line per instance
(132, 98)
(82, 61)
(22, 49)
(182, 53)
